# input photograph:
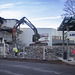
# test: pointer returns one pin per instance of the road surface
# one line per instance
(29, 68)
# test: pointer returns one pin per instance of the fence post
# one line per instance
(4, 47)
(43, 53)
(23, 52)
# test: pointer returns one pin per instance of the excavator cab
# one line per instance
(35, 37)
(36, 41)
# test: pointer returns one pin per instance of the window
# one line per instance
(53, 37)
(46, 38)
(57, 37)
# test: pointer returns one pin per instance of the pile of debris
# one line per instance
(38, 52)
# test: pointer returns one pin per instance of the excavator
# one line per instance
(14, 30)
(36, 35)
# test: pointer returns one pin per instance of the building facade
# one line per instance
(26, 36)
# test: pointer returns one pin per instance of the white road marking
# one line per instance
(33, 68)
(9, 72)
(37, 69)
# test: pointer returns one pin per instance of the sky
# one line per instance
(42, 13)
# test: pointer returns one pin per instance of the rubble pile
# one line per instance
(59, 51)
(42, 52)
(33, 52)
(36, 52)
(50, 53)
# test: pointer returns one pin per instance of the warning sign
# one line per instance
(73, 51)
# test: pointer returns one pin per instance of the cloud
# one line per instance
(36, 3)
(9, 5)
(62, 0)
(45, 18)
(11, 14)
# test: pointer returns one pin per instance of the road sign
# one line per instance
(73, 51)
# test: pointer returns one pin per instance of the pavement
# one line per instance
(70, 62)
(59, 60)
(29, 68)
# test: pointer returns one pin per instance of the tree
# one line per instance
(69, 8)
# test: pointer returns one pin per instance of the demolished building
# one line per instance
(6, 33)
(6, 29)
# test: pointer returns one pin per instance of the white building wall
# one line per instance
(26, 36)
(56, 33)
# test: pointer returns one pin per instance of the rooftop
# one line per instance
(67, 21)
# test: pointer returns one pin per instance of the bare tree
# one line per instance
(69, 8)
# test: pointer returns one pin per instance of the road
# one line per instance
(29, 68)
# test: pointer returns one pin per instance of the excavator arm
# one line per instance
(36, 36)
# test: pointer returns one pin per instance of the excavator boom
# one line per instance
(36, 36)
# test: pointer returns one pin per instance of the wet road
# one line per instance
(29, 68)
